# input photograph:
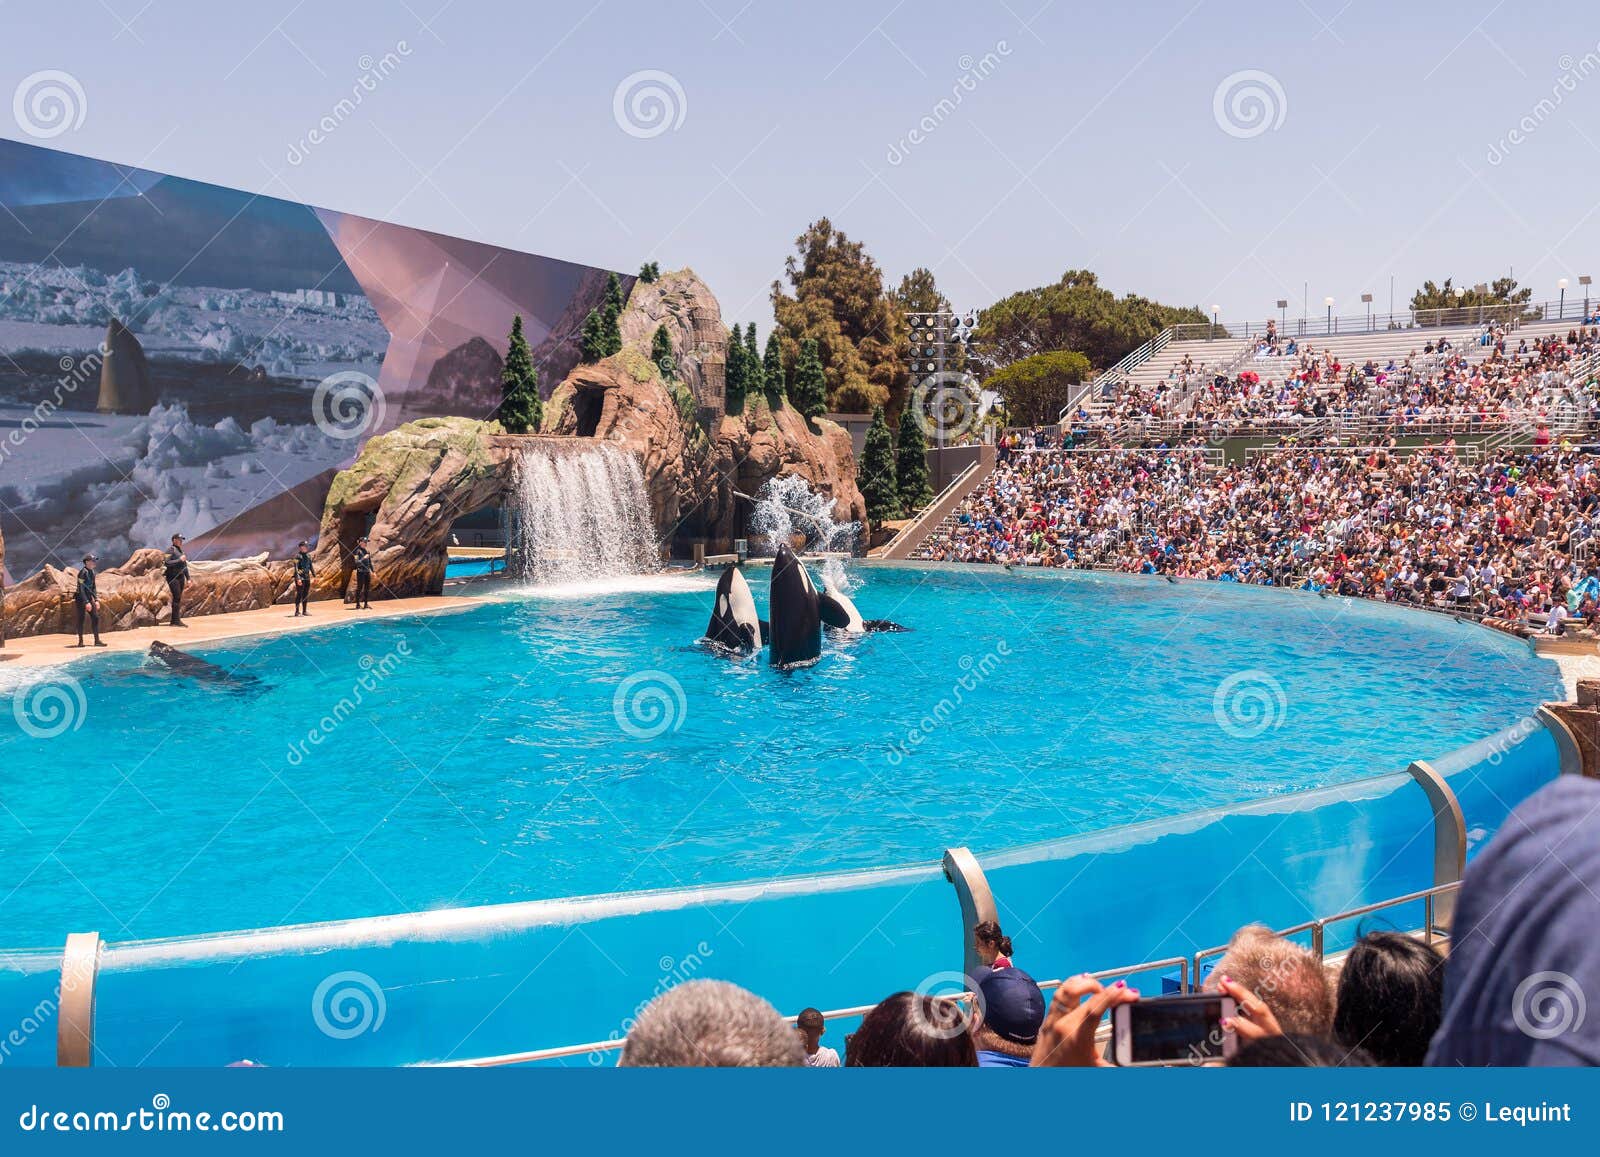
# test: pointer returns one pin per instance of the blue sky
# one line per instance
(1093, 138)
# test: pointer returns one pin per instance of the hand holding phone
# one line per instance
(1066, 1039)
(1168, 1030)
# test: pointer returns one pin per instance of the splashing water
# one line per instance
(786, 507)
(579, 515)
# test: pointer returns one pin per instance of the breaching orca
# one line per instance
(734, 624)
(181, 663)
(855, 624)
(796, 613)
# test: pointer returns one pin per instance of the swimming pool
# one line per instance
(578, 742)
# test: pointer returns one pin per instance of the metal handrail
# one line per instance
(1318, 927)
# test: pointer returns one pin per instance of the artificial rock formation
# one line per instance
(411, 484)
(135, 593)
(697, 461)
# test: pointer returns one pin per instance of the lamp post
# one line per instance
(1283, 314)
(1584, 280)
(1215, 309)
(1561, 312)
(1367, 299)
(1328, 301)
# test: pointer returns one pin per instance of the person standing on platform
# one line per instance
(303, 570)
(177, 568)
(88, 600)
(363, 567)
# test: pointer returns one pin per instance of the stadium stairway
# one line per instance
(934, 515)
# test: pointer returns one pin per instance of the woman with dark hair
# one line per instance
(1391, 998)
(994, 948)
(909, 1030)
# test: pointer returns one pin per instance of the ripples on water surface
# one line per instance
(490, 765)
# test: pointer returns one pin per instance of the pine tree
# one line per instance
(611, 331)
(911, 461)
(614, 292)
(661, 354)
(592, 342)
(649, 272)
(809, 389)
(878, 485)
(521, 411)
(772, 370)
(755, 374)
(735, 377)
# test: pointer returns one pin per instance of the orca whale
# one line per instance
(856, 625)
(796, 612)
(734, 624)
(182, 663)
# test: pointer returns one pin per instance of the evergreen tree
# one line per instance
(755, 374)
(810, 387)
(614, 292)
(521, 411)
(878, 484)
(911, 462)
(649, 272)
(611, 330)
(592, 342)
(736, 378)
(772, 370)
(661, 354)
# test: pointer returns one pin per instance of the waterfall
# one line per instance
(577, 514)
(786, 507)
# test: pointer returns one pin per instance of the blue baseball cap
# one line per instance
(1013, 1006)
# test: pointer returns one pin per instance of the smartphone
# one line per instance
(1173, 1030)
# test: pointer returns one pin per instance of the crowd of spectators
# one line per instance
(1492, 381)
(1504, 536)
(1525, 913)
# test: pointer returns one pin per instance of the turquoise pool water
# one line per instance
(473, 567)
(577, 742)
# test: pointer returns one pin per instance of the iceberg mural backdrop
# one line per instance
(181, 357)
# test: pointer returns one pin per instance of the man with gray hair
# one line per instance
(1288, 978)
(711, 1024)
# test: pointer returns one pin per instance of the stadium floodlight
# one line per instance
(1562, 310)
(1585, 280)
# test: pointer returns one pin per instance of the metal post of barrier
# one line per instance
(80, 967)
(977, 902)
(1449, 835)
(1568, 752)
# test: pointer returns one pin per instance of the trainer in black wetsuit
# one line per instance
(88, 600)
(177, 568)
(302, 581)
(362, 560)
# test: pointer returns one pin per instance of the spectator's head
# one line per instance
(1010, 1011)
(1283, 974)
(710, 1024)
(1296, 1050)
(810, 1024)
(910, 1030)
(1391, 992)
(990, 941)
(1524, 960)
